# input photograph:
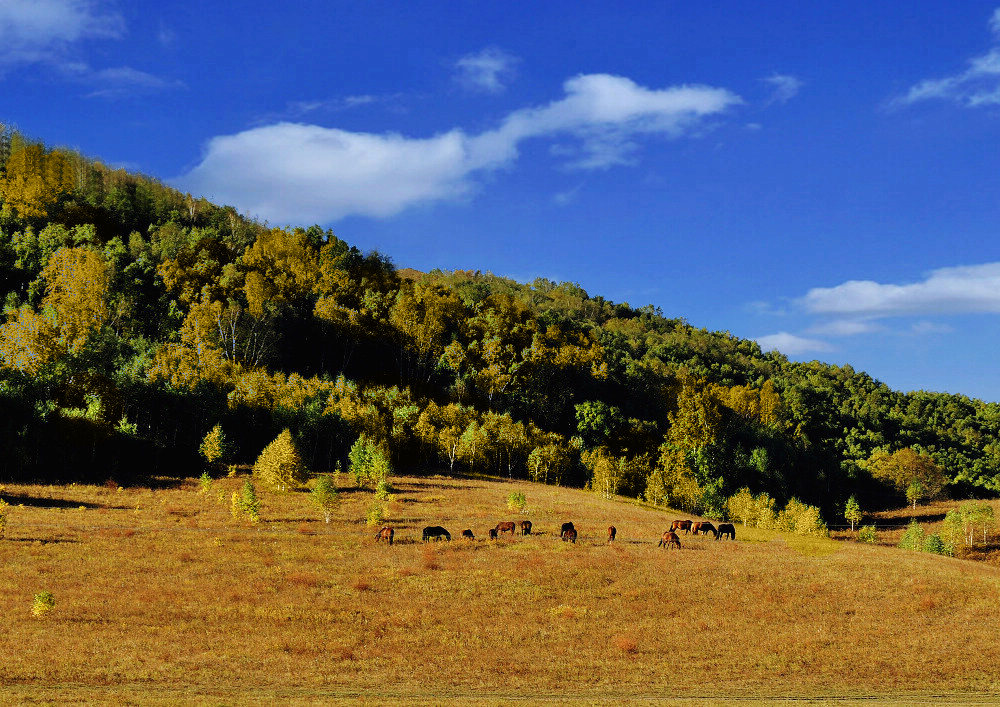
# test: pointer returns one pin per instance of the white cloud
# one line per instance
(295, 173)
(978, 85)
(790, 344)
(785, 87)
(844, 327)
(122, 80)
(38, 30)
(924, 327)
(964, 289)
(486, 71)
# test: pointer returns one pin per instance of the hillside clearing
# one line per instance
(161, 596)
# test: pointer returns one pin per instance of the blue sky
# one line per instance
(824, 178)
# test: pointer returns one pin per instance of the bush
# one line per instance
(214, 446)
(516, 502)
(42, 604)
(279, 467)
(245, 503)
(375, 514)
(801, 519)
(913, 537)
(205, 482)
(866, 534)
(934, 544)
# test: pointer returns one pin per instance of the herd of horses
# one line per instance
(670, 539)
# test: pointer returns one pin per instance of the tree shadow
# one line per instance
(42, 502)
(43, 541)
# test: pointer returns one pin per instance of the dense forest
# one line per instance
(137, 318)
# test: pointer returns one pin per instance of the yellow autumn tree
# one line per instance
(280, 467)
(75, 305)
(34, 180)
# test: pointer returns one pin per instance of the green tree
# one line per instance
(325, 497)
(279, 467)
(910, 473)
(852, 512)
(214, 446)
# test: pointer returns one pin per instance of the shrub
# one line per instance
(245, 503)
(913, 537)
(375, 514)
(383, 491)
(866, 534)
(214, 446)
(279, 467)
(42, 604)
(516, 502)
(325, 497)
(205, 482)
(740, 506)
(801, 519)
(934, 544)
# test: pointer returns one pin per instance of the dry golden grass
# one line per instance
(161, 597)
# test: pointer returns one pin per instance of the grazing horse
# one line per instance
(525, 527)
(467, 534)
(570, 535)
(493, 533)
(506, 526)
(669, 539)
(726, 529)
(612, 532)
(565, 527)
(704, 527)
(436, 532)
(684, 525)
(386, 534)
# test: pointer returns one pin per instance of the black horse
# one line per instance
(436, 532)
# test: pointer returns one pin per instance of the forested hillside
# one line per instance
(136, 318)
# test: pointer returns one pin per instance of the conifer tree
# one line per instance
(279, 467)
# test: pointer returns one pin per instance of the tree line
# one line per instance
(137, 318)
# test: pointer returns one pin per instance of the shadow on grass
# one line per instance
(42, 502)
(43, 541)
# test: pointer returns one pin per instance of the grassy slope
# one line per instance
(160, 596)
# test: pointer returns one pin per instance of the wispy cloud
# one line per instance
(978, 85)
(53, 33)
(784, 87)
(844, 327)
(296, 173)
(486, 71)
(33, 31)
(792, 344)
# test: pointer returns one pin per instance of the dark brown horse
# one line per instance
(565, 527)
(493, 533)
(506, 526)
(525, 527)
(612, 532)
(669, 539)
(684, 525)
(385, 533)
(467, 534)
(726, 529)
(435, 532)
(704, 527)
(569, 535)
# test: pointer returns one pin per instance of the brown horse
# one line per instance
(493, 533)
(506, 526)
(612, 532)
(467, 534)
(684, 525)
(569, 535)
(525, 527)
(726, 529)
(669, 539)
(565, 527)
(704, 527)
(386, 534)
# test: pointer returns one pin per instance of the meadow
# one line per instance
(160, 596)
